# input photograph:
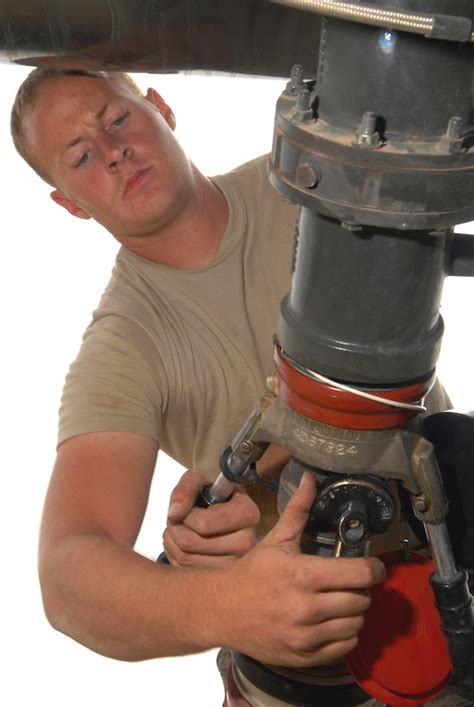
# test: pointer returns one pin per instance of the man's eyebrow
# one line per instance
(79, 139)
(74, 142)
(102, 111)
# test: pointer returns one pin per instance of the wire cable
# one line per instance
(437, 26)
(356, 391)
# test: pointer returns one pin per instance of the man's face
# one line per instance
(111, 154)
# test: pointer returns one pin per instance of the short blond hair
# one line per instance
(26, 95)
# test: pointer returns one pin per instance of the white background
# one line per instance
(53, 270)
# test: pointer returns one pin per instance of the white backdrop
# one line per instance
(54, 270)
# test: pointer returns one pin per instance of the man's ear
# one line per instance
(156, 100)
(59, 198)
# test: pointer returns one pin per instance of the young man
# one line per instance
(176, 357)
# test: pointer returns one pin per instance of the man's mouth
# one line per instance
(136, 181)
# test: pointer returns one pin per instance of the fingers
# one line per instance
(326, 654)
(184, 495)
(293, 520)
(333, 631)
(321, 642)
(220, 532)
(177, 557)
(338, 604)
(190, 543)
(223, 518)
(316, 645)
(339, 573)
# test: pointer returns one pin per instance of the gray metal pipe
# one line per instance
(458, 29)
(251, 37)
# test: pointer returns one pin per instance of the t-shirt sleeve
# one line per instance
(114, 384)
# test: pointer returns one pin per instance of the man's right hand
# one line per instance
(272, 603)
(211, 537)
(293, 609)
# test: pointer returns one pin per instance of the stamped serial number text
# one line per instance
(324, 446)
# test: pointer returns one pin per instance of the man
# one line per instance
(176, 356)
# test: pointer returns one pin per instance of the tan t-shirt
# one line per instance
(181, 355)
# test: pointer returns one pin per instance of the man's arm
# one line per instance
(273, 603)
(95, 588)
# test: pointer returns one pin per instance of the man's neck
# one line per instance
(193, 238)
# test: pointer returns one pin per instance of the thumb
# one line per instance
(293, 520)
(184, 495)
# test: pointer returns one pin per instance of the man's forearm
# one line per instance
(274, 603)
(125, 606)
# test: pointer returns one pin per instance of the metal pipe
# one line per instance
(236, 36)
(458, 29)
(440, 546)
(219, 491)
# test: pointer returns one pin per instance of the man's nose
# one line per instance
(115, 151)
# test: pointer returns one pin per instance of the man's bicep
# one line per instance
(100, 485)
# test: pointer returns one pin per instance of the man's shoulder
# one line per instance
(251, 179)
(247, 176)
(129, 301)
(253, 168)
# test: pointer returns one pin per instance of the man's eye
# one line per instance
(84, 159)
(120, 120)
